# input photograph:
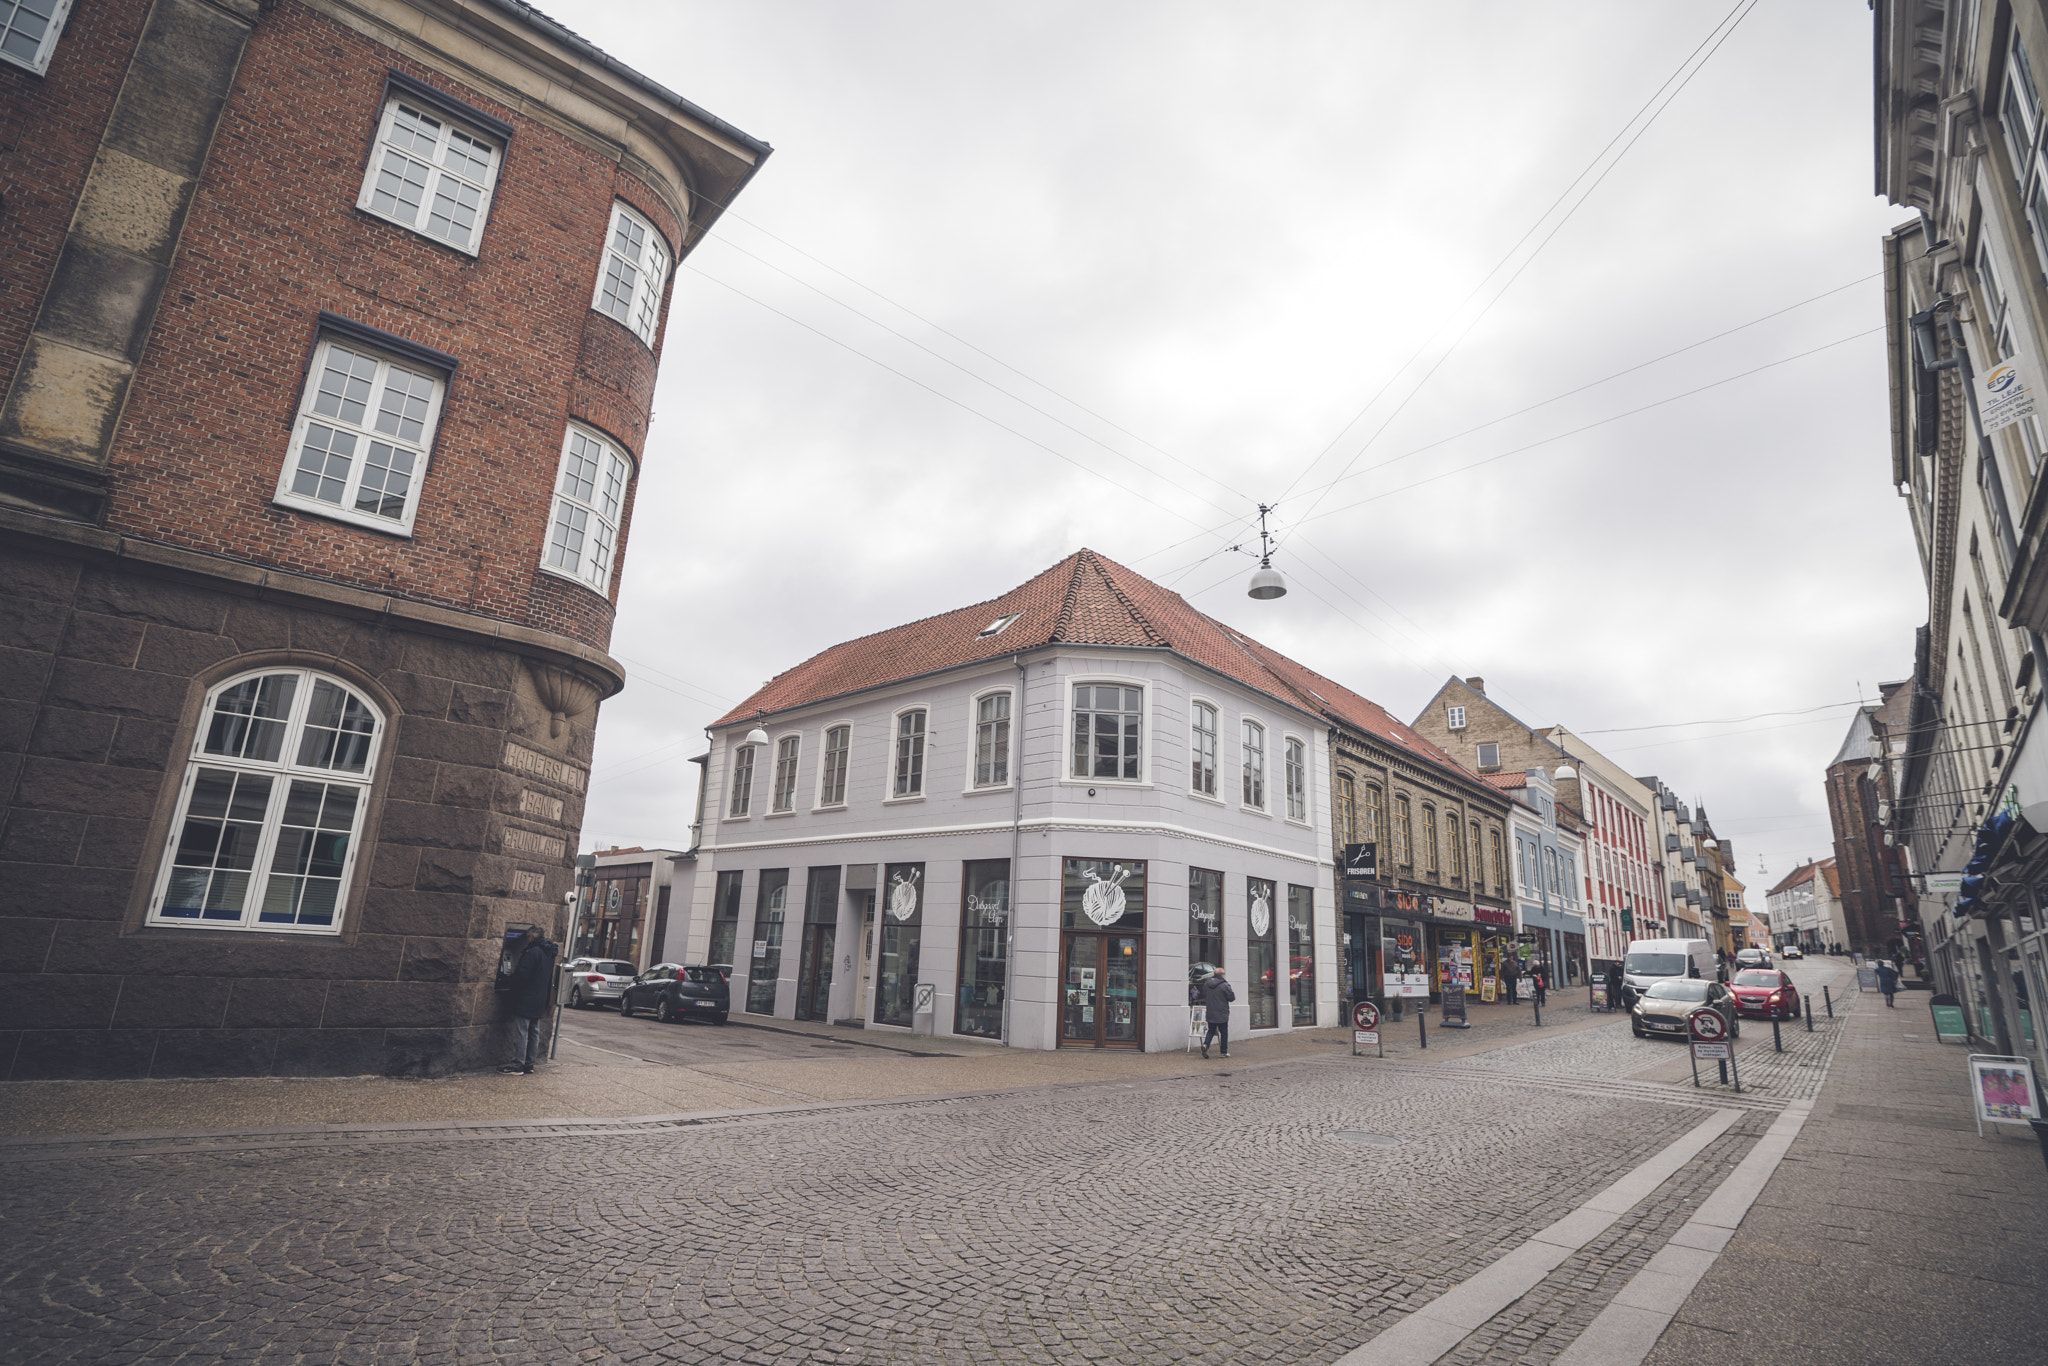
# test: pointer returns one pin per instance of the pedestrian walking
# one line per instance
(530, 982)
(1887, 981)
(1217, 995)
(1542, 988)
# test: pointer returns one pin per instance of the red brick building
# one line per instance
(329, 339)
(1874, 890)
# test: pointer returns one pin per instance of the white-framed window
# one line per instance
(992, 740)
(1109, 731)
(359, 447)
(29, 29)
(782, 797)
(742, 781)
(1202, 750)
(590, 498)
(832, 771)
(909, 775)
(1489, 755)
(1252, 738)
(431, 173)
(1454, 717)
(1297, 780)
(274, 795)
(2020, 114)
(635, 268)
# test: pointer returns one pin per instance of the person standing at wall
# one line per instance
(530, 983)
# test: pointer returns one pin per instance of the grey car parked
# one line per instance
(598, 981)
(674, 992)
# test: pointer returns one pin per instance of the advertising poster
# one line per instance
(2003, 1089)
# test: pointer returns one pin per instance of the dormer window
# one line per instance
(1000, 624)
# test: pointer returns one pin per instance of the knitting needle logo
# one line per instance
(1262, 913)
(903, 894)
(1104, 901)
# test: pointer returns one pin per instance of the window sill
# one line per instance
(328, 512)
(1258, 811)
(1205, 797)
(403, 226)
(903, 801)
(159, 922)
(992, 787)
(626, 328)
(777, 815)
(578, 580)
(830, 806)
(729, 820)
(1129, 783)
(1302, 822)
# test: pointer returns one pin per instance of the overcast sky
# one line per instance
(1152, 264)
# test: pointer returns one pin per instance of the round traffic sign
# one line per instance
(1365, 1015)
(1707, 1025)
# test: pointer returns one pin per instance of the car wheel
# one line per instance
(1636, 1030)
(665, 1012)
(625, 1007)
(576, 998)
(720, 1019)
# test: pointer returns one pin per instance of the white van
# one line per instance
(1650, 961)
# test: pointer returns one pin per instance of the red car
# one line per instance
(1765, 992)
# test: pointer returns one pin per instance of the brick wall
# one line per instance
(274, 238)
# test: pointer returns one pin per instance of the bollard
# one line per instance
(1807, 1001)
(1422, 1022)
(1539, 1012)
(1776, 1042)
(1830, 1002)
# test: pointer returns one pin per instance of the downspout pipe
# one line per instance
(1016, 841)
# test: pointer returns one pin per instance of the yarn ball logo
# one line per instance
(903, 895)
(1262, 914)
(1104, 900)
(2003, 380)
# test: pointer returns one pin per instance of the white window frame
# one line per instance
(1294, 760)
(587, 514)
(1205, 747)
(921, 748)
(740, 786)
(282, 772)
(1484, 746)
(1251, 744)
(38, 60)
(395, 130)
(975, 725)
(1454, 718)
(323, 420)
(789, 753)
(826, 772)
(1070, 711)
(632, 271)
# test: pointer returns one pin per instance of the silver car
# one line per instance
(598, 981)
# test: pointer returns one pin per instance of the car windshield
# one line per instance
(703, 975)
(615, 969)
(1756, 977)
(1684, 989)
(1656, 964)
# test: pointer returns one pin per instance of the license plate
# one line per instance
(1663, 1026)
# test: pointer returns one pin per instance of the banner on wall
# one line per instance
(2005, 394)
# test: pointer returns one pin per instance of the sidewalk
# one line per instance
(1890, 1225)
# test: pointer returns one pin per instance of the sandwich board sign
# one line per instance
(2003, 1090)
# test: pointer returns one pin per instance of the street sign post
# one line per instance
(1365, 1028)
(1708, 1034)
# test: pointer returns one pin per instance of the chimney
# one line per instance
(1477, 685)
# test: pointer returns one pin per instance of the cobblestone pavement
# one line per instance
(1209, 1219)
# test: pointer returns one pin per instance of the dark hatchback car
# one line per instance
(1662, 1010)
(674, 992)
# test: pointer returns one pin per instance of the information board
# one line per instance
(1949, 1024)
(1454, 1007)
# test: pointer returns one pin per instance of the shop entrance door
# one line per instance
(814, 976)
(1103, 1001)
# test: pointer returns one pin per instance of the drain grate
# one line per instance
(1370, 1140)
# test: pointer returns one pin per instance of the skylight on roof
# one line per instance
(1000, 624)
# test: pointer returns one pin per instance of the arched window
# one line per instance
(1404, 833)
(1372, 814)
(1428, 838)
(264, 837)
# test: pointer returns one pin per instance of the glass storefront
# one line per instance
(821, 929)
(1102, 922)
(1301, 952)
(984, 948)
(725, 920)
(1261, 955)
(902, 930)
(1205, 922)
(771, 903)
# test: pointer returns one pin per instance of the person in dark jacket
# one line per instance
(1540, 981)
(531, 981)
(1217, 995)
(1887, 981)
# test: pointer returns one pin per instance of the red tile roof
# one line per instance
(1085, 599)
(1507, 782)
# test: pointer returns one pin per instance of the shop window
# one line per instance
(902, 934)
(771, 912)
(1301, 952)
(1205, 922)
(725, 920)
(1261, 967)
(984, 947)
